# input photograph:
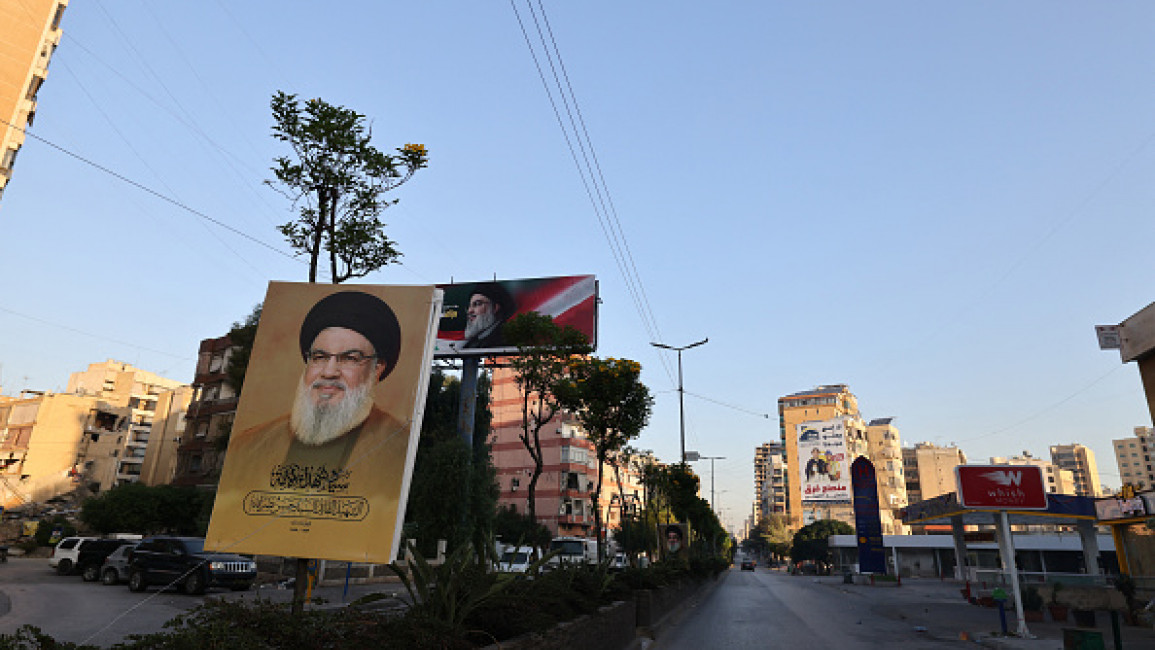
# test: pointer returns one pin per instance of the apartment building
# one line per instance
(200, 454)
(1080, 461)
(562, 495)
(1055, 479)
(29, 38)
(770, 479)
(824, 403)
(928, 470)
(168, 429)
(111, 458)
(41, 437)
(884, 449)
(1133, 456)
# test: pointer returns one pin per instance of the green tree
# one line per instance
(513, 527)
(242, 336)
(771, 537)
(543, 352)
(439, 475)
(336, 178)
(812, 542)
(612, 405)
(139, 508)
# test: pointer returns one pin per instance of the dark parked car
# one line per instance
(92, 553)
(115, 567)
(748, 565)
(172, 561)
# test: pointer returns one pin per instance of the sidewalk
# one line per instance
(936, 608)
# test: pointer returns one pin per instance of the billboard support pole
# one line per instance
(466, 416)
(467, 406)
(1007, 552)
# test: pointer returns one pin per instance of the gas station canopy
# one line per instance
(1062, 509)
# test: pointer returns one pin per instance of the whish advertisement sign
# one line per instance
(823, 466)
(1001, 487)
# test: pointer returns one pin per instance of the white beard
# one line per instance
(315, 424)
(480, 326)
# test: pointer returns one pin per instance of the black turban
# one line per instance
(363, 313)
(498, 295)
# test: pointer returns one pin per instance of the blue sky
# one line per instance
(931, 202)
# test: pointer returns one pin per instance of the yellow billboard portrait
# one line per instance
(322, 447)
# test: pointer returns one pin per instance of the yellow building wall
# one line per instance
(27, 40)
(53, 445)
(168, 429)
(790, 417)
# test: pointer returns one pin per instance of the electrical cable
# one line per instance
(595, 191)
(151, 191)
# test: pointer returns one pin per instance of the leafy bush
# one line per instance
(30, 637)
(1032, 600)
(44, 530)
(259, 625)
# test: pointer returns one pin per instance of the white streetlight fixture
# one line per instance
(681, 392)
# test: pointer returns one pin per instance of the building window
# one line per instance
(34, 87)
(57, 17)
(9, 159)
(514, 483)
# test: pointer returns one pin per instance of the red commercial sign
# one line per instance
(1001, 487)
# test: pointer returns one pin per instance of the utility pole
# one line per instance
(681, 391)
(712, 459)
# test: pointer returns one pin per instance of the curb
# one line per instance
(674, 616)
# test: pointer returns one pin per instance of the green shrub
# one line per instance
(1032, 601)
(46, 526)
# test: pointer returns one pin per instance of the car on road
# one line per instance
(65, 554)
(115, 567)
(749, 565)
(515, 559)
(93, 552)
(183, 561)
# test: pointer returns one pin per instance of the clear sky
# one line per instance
(933, 203)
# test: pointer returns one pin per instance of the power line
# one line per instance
(1046, 409)
(590, 172)
(730, 406)
(153, 192)
(95, 336)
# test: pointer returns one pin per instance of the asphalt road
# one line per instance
(769, 609)
(69, 609)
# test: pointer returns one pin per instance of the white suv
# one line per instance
(65, 554)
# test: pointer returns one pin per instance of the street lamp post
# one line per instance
(681, 391)
(713, 504)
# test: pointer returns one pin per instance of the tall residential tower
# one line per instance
(30, 33)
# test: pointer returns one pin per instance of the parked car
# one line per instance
(749, 565)
(183, 561)
(115, 567)
(619, 562)
(90, 559)
(515, 559)
(65, 554)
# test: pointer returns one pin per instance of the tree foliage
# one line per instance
(612, 405)
(241, 337)
(540, 367)
(812, 542)
(439, 489)
(336, 178)
(148, 510)
(513, 527)
(771, 537)
(672, 495)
